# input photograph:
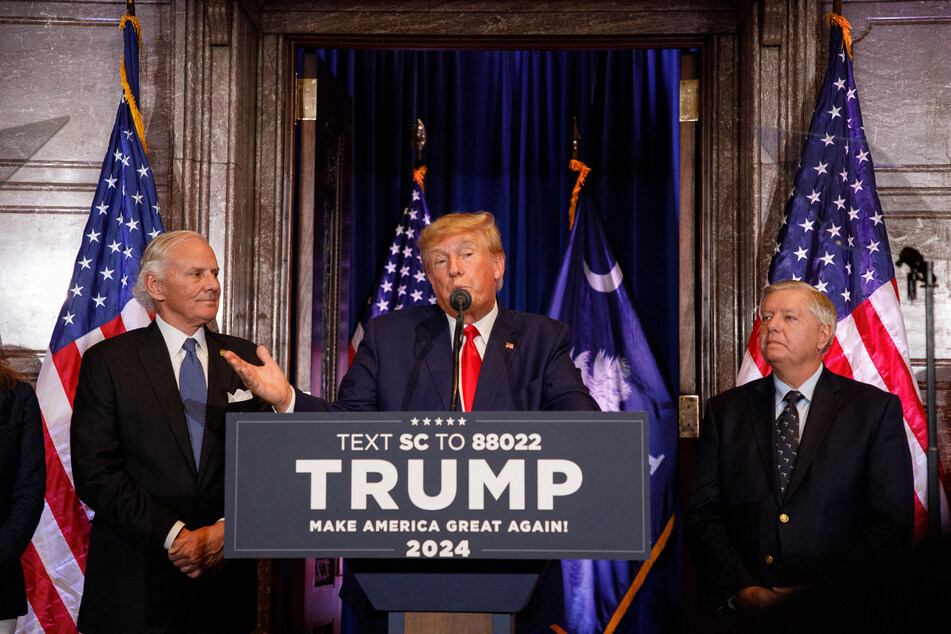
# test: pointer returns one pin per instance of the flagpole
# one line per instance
(934, 504)
(921, 269)
(130, 7)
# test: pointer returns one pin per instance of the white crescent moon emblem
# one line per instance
(606, 282)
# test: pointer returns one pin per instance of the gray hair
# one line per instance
(820, 306)
(155, 261)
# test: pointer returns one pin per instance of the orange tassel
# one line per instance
(419, 175)
(582, 170)
(842, 23)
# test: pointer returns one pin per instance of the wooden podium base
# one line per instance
(454, 622)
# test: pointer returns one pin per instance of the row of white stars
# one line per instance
(121, 158)
(417, 296)
(846, 295)
(449, 421)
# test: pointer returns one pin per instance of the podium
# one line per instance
(440, 514)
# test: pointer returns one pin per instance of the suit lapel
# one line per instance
(153, 354)
(499, 353)
(761, 418)
(825, 404)
(219, 373)
(434, 345)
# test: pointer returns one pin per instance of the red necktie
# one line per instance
(471, 363)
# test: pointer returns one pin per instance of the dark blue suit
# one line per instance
(22, 488)
(404, 363)
(848, 506)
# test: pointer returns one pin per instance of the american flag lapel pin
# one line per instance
(509, 345)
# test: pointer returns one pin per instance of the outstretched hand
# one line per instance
(265, 381)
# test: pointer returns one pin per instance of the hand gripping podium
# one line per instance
(439, 512)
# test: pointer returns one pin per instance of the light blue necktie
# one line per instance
(191, 383)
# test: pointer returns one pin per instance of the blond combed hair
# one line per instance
(483, 223)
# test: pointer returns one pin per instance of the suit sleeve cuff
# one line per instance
(172, 534)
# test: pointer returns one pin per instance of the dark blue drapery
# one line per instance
(499, 129)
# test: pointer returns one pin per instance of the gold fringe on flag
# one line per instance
(837, 20)
(582, 170)
(419, 175)
(129, 99)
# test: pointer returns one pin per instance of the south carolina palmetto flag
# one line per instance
(611, 349)
(833, 237)
(99, 304)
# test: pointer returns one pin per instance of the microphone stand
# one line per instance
(461, 300)
(456, 351)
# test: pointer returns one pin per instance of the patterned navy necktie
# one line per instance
(787, 437)
(191, 383)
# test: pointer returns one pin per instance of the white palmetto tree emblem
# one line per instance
(606, 378)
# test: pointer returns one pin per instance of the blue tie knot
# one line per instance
(190, 344)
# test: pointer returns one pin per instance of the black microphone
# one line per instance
(460, 299)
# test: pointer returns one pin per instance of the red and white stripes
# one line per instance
(55, 562)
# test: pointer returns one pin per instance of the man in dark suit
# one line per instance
(405, 360)
(797, 502)
(148, 457)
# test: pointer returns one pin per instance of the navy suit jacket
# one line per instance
(22, 489)
(849, 502)
(404, 363)
(133, 465)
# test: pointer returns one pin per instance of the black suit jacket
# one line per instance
(133, 465)
(404, 363)
(22, 488)
(849, 502)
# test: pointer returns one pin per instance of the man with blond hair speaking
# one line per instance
(510, 361)
(801, 491)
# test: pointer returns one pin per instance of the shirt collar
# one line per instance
(175, 338)
(484, 325)
(807, 389)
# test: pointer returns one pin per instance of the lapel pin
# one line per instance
(509, 345)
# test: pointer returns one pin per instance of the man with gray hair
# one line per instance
(148, 457)
(802, 486)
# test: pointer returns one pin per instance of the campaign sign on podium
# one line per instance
(437, 485)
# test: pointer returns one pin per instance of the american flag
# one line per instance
(402, 281)
(833, 237)
(99, 304)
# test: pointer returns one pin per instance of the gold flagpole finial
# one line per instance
(575, 140)
(419, 140)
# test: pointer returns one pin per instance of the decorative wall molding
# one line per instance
(897, 21)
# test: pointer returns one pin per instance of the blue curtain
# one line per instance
(499, 127)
